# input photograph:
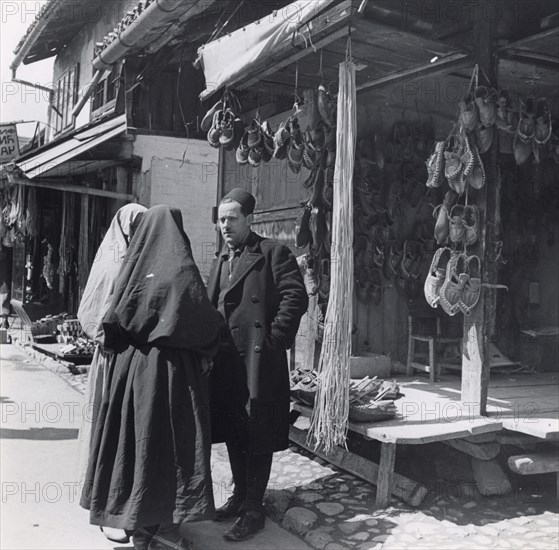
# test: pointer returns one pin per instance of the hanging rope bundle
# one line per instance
(330, 414)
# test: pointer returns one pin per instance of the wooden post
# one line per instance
(385, 474)
(479, 327)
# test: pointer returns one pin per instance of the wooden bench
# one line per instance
(536, 463)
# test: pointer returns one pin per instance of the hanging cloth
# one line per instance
(330, 414)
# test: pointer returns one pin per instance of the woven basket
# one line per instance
(369, 413)
(306, 397)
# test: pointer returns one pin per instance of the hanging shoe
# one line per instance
(326, 107)
(281, 140)
(484, 137)
(456, 232)
(227, 129)
(207, 121)
(521, 149)
(241, 155)
(472, 286)
(435, 176)
(526, 123)
(255, 155)
(471, 224)
(436, 276)
(214, 132)
(453, 286)
(295, 148)
(453, 168)
(476, 178)
(441, 213)
(542, 130)
(504, 113)
(468, 113)
(268, 139)
(392, 261)
(302, 230)
(485, 102)
(254, 134)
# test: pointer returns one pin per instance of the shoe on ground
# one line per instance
(246, 526)
(229, 510)
(168, 537)
(116, 535)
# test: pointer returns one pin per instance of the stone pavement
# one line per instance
(326, 508)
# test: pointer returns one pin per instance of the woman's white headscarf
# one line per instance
(104, 271)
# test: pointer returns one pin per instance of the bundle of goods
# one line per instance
(82, 348)
(303, 386)
(69, 330)
(372, 400)
(44, 329)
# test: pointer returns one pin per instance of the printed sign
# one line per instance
(9, 145)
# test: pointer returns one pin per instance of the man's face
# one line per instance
(234, 226)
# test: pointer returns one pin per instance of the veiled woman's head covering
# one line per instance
(160, 298)
(104, 271)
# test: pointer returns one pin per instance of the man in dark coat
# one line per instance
(256, 285)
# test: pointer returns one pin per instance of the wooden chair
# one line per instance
(424, 325)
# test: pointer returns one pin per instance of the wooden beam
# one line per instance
(262, 74)
(449, 63)
(50, 184)
(536, 463)
(529, 40)
(533, 58)
(402, 487)
(323, 30)
(479, 327)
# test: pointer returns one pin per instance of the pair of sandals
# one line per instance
(462, 165)
(534, 129)
(225, 130)
(453, 282)
(478, 114)
(289, 144)
(256, 144)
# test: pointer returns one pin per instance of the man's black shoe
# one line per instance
(229, 510)
(246, 526)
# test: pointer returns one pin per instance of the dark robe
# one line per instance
(150, 459)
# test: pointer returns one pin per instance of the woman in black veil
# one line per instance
(149, 468)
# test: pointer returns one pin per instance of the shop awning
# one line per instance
(45, 162)
(231, 58)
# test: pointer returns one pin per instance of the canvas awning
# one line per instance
(45, 163)
(230, 58)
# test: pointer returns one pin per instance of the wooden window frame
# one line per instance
(111, 81)
(64, 99)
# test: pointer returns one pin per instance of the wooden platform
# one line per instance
(432, 411)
